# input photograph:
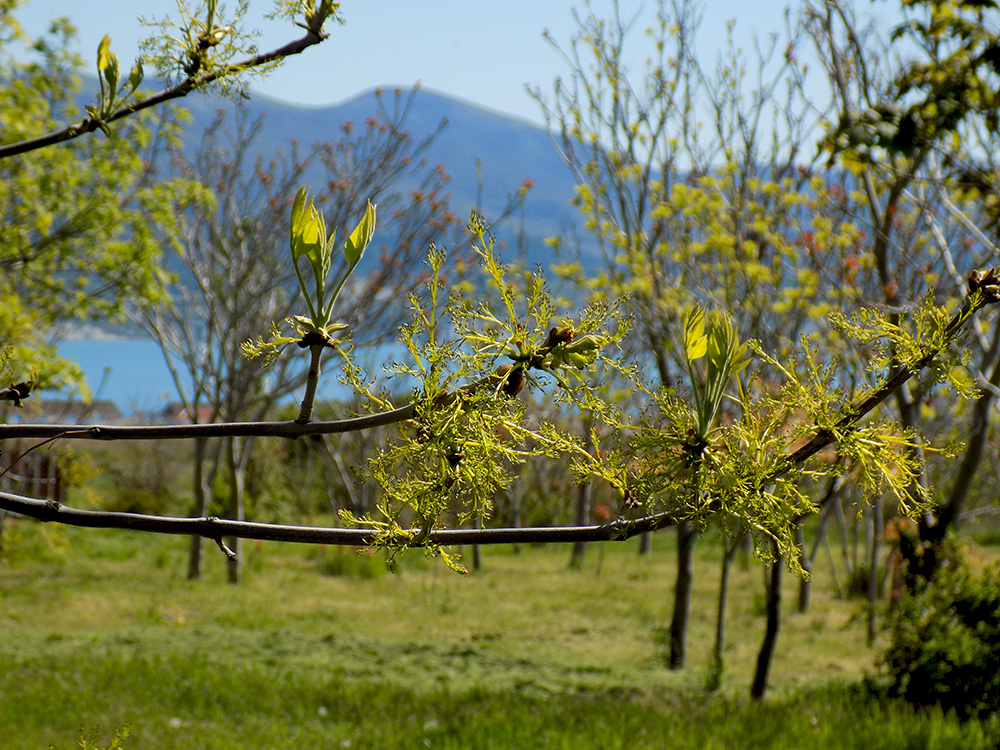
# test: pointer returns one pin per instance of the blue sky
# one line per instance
(482, 52)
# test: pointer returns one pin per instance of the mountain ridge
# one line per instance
(504, 150)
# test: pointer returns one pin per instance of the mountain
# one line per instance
(509, 151)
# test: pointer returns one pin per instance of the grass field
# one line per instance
(100, 630)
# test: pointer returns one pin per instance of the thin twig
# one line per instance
(230, 555)
(17, 459)
(182, 89)
(506, 378)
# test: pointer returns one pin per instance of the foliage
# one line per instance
(944, 640)
(76, 244)
(953, 77)
(308, 240)
(141, 478)
(469, 434)
(361, 565)
(111, 95)
(913, 126)
(202, 48)
(76, 237)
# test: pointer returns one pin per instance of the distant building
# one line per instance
(58, 411)
(176, 413)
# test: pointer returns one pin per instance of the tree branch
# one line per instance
(216, 528)
(215, 429)
(976, 299)
(983, 290)
(182, 89)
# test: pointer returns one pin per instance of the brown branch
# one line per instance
(182, 89)
(508, 378)
(214, 429)
(216, 528)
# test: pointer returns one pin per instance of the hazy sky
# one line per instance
(482, 52)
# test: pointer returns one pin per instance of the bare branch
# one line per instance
(216, 528)
(216, 429)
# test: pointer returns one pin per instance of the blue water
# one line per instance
(135, 376)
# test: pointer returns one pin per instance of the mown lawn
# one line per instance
(100, 629)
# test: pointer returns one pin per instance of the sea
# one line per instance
(134, 374)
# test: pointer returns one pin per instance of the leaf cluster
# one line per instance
(791, 424)
(309, 242)
(113, 92)
(471, 358)
(77, 237)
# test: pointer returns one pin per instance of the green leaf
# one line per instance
(308, 231)
(104, 53)
(695, 340)
(360, 237)
(298, 209)
(135, 77)
(304, 324)
(107, 64)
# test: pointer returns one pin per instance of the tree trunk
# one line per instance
(718, 666)
(682, 594)
(873, 568)
(237, 467)
(515, 503)
(582, 518)
(805, 584)
(200, 508)
(477, 549)
(845, 546)
(766, 653)
(583, 495)
(947, 515)
(645, 544)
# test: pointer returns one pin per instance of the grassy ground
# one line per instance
(104, 630)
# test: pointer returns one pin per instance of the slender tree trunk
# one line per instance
(718, 666)
(234, 567)
(805, 583)
(837, 590)
(477, 549)
(827, 507)
(855, 546)
(845, 546)
(645, 544)
(582, 519)
(200, 508)
(947, 515)
(583, 494)
(515, 503)
(873, 568)
(686, 534)
(773, 606)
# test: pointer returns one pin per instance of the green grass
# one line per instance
(312, 651)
